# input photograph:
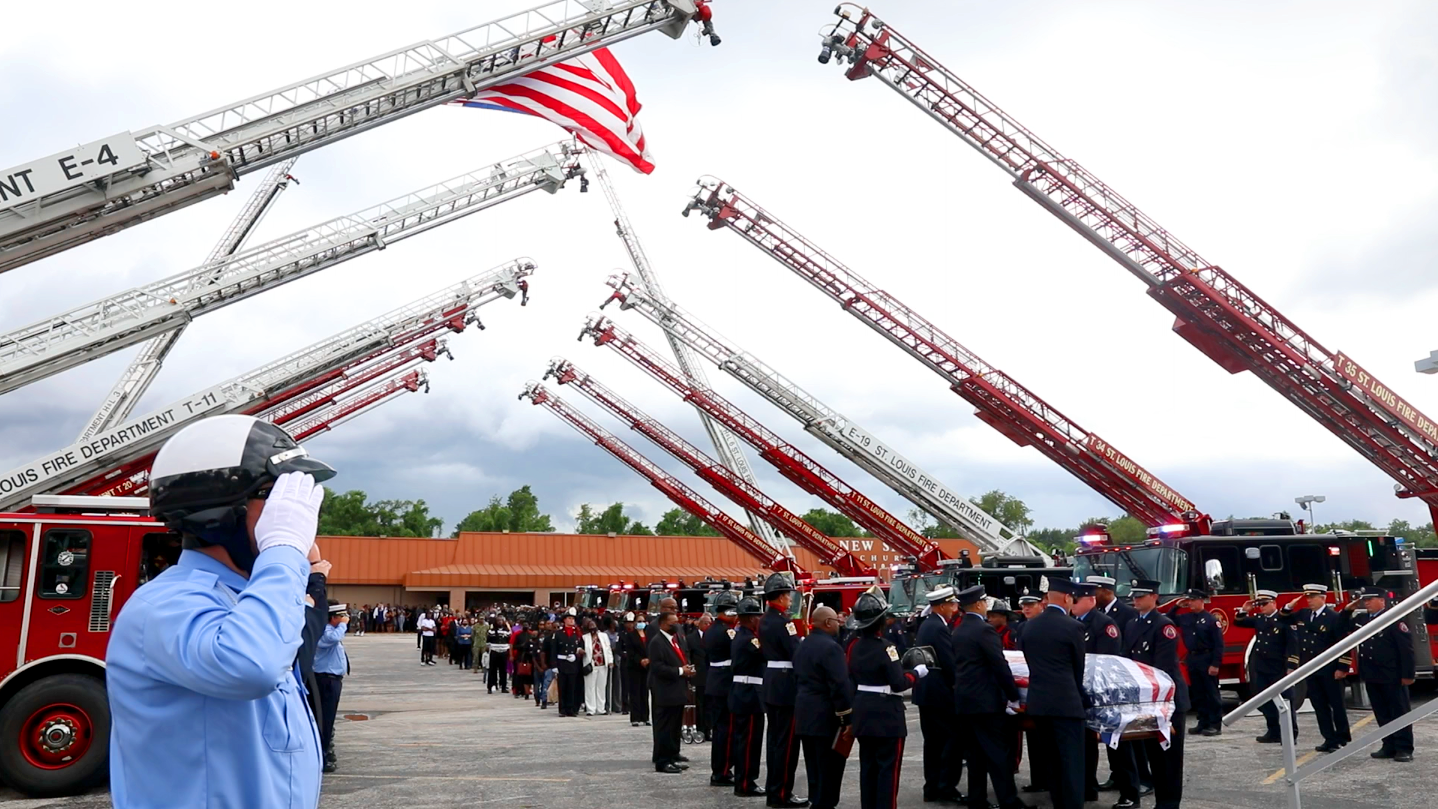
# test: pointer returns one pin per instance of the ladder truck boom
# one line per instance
(729, 483)
(110, 324)
(1001, 401)
(804, 471)
(726, 446)
(82, 194)
(132, 384)
(840, 433)
(1220, 316)
(347, 381)
(295, 374)
(685, 497)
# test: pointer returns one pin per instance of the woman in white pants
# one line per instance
(600, 656)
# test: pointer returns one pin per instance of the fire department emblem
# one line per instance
(1169, 632)
(731, 634)
(1221, 618)
(1112, 630)
(65, 558)
(1402, 626)
(58, 610)
(62, 588)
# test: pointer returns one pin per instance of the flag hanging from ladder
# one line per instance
(589, 95)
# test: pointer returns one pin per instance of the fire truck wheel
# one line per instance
(54, 736)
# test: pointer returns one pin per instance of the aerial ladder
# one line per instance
(102, 327)
(1000, 401)
(99, 188)
(1216, 313)
(840, 433)
(793, 464)
(673, 488)
(729, 483)
(343, 411)
(726, 446)
(293, 375)
(132, 384)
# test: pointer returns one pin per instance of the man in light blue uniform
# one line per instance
(331, 666)
(206, 701)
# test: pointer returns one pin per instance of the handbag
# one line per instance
(588, 669)
(524, 669)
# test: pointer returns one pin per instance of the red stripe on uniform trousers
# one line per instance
(898, 763)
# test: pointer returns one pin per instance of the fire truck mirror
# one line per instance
(1213, 572)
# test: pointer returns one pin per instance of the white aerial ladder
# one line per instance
(726, 446)
(110, 324)
(839, 432)
(298, 373)
(136, 379)
(99, 188)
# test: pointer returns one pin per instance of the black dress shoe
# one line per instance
(789, 803)
(721, 781)
(1326, 747)
(1126, 804)
(1032, 788)
(1197, 729)
(1403, 757)
(330, 766)
(1211, 732)
(1145, 789)
(1108, 785)
(681, 758)
(756, 792)
(1380, 754)
(1266, 739)
(669, 769)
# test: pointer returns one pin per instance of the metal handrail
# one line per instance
(1387, 618)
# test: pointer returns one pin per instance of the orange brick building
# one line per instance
(478, 569)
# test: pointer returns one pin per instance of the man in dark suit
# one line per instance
(717, 683)
(1203, 641)
(669, 674)
(943, 762)
(984, 691)
(746, 700)
(1101, 637)
(1152, 639)
(634, 648)
(822, 705)
(1386, 665)
(1054, 649)
(1318, 627)
(779, 640)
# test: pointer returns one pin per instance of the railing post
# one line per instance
(1290, 753)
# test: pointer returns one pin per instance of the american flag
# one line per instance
(589, 95)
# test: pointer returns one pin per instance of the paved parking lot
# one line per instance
(424, 737)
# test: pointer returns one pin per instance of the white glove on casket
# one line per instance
(1012, 708)
(921, 671)
(292, 513)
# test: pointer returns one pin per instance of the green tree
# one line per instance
(833, 523)
(1422, 536)
(677, 522)
(1010, 511)
(1346, 525)
(1053, 539)
(346, 515)
(1127, 531)
(350, 514)
(518, 514)
(924, 522)
(611, 520)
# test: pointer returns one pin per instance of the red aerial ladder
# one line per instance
(672, 487)
(728, 482)
(1001, 402)
(1221, 317)
(804, 471)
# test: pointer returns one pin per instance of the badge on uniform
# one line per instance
(731, 634)
(790, 627)
(893, 653)
(1112, 631)
(1169, 632)
(754, 641)
(1402, 627)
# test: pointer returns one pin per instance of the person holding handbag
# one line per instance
(598, 660)
(523, 655)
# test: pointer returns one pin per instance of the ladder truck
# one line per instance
(99, 188)
(102, 327)
(295, 374)
(851, 569)
(793, 464)
(1000, 401)
(841, 433)
(726, 446)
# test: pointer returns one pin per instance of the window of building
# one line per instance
(65, 563)
(12, 564)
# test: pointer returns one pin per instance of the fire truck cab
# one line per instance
(65, 572)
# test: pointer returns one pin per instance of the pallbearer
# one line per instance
(823, 707)
(1101, 637)
(984, 691)
(746, 700)
(880, 681)
(943, 759)
(1054, 650)
(779, 640)
(718, 641)
(1152, 639)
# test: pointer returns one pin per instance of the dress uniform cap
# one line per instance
(1196, 594)
(1374, 592)
(750, 606)
(1266, 595)
(1029, 598)
(334, 608)
(1084, 589)
(1101, 581)
(942, 595)
(1144, 587)
(972, 595)
(870, 608)
(628, 617)
(1063, 586)
(1315, 589)
(778, 584)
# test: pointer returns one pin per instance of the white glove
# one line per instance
(921, 670)
(1012, 709)
(292, 513)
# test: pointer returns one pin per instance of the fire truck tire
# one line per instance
(55, 736)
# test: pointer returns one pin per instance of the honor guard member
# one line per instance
(943, 761)
(746, 700)
(1319, 626)
(1152, 639)
(823, 707)
(779, 641)
(984, 691)
(1030, 605)
(1274, 655)
(880, 680)
(1203, 638)
(331, 666)
(497, 639)
(568, 647)
(1054, 651)
(1101, 637)
(1108, 601)
(1385, 664)
(206, 704)
(717, 682)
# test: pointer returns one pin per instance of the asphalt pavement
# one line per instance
(418, 736)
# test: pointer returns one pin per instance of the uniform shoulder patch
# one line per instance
(1169, 632)
(1111, 630)
(893, 653)
(1402, 626)
(732, 633)
(754, 641)
(789, 627)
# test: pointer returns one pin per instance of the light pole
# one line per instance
(1306, 502)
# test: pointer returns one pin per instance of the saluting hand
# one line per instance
(1295, 602)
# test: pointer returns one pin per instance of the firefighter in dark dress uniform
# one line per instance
(746, 700)
(823, 707)
(1203, 638)
(1385, 664)
(717, 683)
(879, 681)
(779, 639)
(943, 760)
(1132, 759)
(1152, 639)
(1274, 655)
(1053, 646)
(984, 692)
(1319, 626)
(568, 645)
(1101, 637)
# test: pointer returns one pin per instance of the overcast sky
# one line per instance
(1291, 142)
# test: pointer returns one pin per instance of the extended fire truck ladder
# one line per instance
(683, 496)
(73, 197)
(793, 464)
(729, 483)
(1001, 402)
(839, 432)
(294, 375)
(136, 379)
(726, 446)
(1221, 317)
(110, 324)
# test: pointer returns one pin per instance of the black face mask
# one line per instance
(223, 527)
